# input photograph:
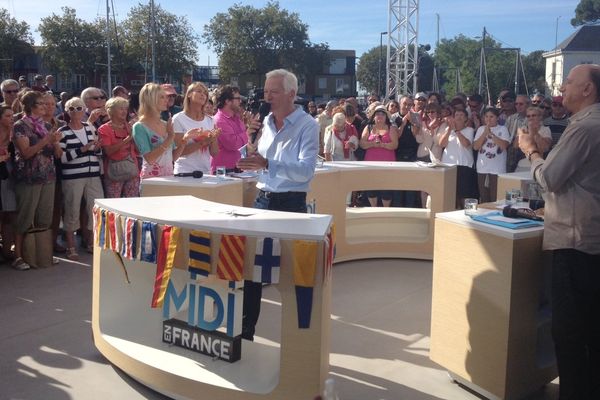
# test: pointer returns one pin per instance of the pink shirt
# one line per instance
(379, 153)
(233, 136)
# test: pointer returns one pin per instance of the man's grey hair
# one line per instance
(524, 97)
(406, 96)
(89, 92)
(290, 82)
(8, 82)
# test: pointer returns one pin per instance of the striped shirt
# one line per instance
(75, 163)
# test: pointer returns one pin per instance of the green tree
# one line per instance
(534, 66)
(463, 54)
(15, 40)
(71, 45)
(586, 11)
(368, 70)
(367, 73)
(175, 45)
(252, 40)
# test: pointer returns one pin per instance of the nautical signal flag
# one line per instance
(199, 261)
(230, 265)
(164, 263)
(305, 266)
(130, 238)
(148, 242)
(267, 260)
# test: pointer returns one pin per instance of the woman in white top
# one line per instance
(340, 140)
(491, 141)
(429, 137)
(540, 134)
(204, 145)
(457, 143)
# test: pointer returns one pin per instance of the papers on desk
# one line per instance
(245, 174)
(435, 164)
(496, 218)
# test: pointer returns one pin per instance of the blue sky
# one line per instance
(353, 24)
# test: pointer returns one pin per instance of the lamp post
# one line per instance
(554, 63)
(380, 58)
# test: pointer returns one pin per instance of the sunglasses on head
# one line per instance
(75, 108)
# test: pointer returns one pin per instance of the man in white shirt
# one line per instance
(287, 155)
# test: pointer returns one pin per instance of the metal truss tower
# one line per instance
(402, 48)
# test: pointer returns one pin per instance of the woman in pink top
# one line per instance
(380, 140)
(117, 144)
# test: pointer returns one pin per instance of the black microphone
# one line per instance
(263, 110)
(510, 212)
(195, 174)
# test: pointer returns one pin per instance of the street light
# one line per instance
(380, 58)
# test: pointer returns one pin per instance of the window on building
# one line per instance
(337, 66)
(322, 83)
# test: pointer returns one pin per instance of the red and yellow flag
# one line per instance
(230, 265)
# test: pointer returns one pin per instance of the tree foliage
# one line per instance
(587, 11)
(464, 53)
(368, 70)
(253, 40)
(71, 45)
(534, 66)
(15, 36)
(175, 45)
(367, 73)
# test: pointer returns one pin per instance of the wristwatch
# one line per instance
(530, 153)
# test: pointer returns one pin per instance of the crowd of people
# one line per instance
(481, 140)
(59, 154)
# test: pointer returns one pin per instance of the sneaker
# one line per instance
(20, 265)
(55, 260)
(72, 254)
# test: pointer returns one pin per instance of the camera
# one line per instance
(255, 99)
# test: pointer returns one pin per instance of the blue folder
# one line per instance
(518, 224)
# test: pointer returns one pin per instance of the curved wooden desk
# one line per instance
(361, 232)
(128, 332)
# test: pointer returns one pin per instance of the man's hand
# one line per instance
(253, 163)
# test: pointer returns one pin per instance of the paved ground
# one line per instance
(379, 344)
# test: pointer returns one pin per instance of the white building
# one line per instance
(582, 47)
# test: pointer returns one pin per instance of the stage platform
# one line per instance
(380, 326)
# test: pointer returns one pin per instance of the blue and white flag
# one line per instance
(149, 244)
(267, 260)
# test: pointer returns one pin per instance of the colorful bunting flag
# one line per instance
(305, 266)
(230, 265)
(329, 252)
(164, 263)
(148, 242)
(130, 238)
(199, 253)
(112, 230)
(267, 260)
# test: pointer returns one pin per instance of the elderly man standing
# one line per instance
(287, 154)
(9, 88)
(514, 122)
(95, 100)
(570, 178)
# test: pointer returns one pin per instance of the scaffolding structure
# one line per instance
(402, 48)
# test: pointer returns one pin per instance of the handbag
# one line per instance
(122, 170)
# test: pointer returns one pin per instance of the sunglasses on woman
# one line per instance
(75, 108)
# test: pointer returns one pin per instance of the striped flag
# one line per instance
(112, 230)
(100, 229)
(267, 260)
(148, 242)
(199, 253)
(130, 239)
(329, 252)
(230, 265)
(164, 263)
(305, 266)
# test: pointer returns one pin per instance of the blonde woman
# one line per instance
(155, 138)
(203, 144)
